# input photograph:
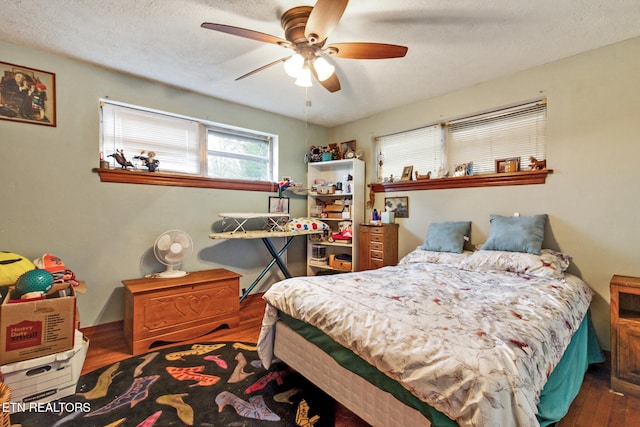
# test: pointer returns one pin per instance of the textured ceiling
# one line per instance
(452, 45)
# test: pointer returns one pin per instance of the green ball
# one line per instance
(34, 281)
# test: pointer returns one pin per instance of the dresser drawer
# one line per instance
(377, 230)
(376, 238)
(377, 263)
(377, 246)
(377, 255)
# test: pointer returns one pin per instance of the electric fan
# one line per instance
(171, 248)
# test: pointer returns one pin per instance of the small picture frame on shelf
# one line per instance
(348, 149)
(511, 164)
(406, 173)
(278, 204)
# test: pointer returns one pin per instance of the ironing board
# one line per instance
(274, 221)
(265, 236)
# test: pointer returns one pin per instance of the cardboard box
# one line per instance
(46, 378)
(36, 328)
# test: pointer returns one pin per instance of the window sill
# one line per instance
(488, 180)
(176, 180)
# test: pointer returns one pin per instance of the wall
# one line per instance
(51, 201)
(592, 195)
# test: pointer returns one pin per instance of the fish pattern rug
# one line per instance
(207, 384)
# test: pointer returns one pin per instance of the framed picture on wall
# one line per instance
(27, 95)
(398, 205)
(278, 204)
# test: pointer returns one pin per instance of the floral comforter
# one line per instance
(476, 345)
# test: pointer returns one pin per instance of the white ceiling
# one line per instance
(452, 45)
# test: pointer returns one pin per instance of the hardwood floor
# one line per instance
(595, 406)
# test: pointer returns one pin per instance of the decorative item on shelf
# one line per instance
(103, 163)
(283, 185)
(406, 173)
(463, 169)
(535, 164)
(327, 155)
(149, 161)
(335, 151)
(380, 163)
(315, 154)
(426, 176)
(508, 165)
(121, 159)
(348, 149)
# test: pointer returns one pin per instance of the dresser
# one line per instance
(625, 334)
(163, 311)
(377, 246)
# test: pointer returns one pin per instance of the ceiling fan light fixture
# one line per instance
(304, 79)
(324, 70)
(293, 66)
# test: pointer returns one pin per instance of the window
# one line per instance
(240, 156)
(482, 139)
(421, 148)
(513, 132)
(187, 146)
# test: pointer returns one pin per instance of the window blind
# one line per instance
(513, 132)
(174, 140)
(420, 148)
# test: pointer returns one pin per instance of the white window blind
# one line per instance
(420, 148)
(174, 140)
(513, 132)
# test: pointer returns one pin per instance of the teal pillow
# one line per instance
(446, 236)
(516, 233)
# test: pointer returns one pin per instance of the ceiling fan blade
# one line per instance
(323, 19)
(264, 67)
(332, 84)
(248, 34)
(366, 50)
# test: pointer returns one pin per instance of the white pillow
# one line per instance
(549, 263)
(419, 255)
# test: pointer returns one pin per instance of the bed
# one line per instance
(447, 337)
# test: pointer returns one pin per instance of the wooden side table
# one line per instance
(377, 246)
(625, 334)
(166, 311)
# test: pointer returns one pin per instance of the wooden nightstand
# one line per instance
(377, 246)
(625, 334)
(158, 310)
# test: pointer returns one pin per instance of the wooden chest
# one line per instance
(160, 311)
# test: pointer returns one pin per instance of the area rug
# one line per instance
(208, 384)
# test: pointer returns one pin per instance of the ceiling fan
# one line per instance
(306, 30)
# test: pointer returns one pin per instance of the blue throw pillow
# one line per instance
(446, 236)
(516, 233)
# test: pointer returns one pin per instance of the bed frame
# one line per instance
(373, 405)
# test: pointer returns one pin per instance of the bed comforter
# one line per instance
(476, 345)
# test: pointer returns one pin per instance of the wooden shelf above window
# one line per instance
(487, 180)
(177, 180)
